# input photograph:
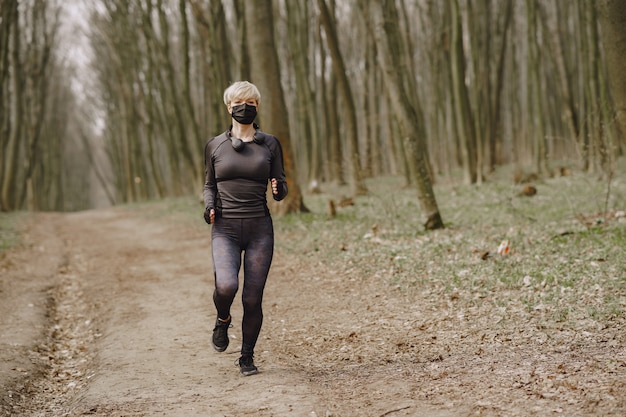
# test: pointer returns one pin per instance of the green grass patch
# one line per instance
(10, 224)
(568, 243)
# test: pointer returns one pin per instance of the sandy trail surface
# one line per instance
(109, 313)
(119, 309)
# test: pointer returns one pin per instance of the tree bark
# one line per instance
(297, 21)
(612, 15)
(535, 103)
(389, 43)
(272, 109)
(351, 128)
(463, 112)
(11, 152)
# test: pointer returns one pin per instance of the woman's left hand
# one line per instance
(274, 183)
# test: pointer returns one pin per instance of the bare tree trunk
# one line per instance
(479, 29)
(215, 40)
(565, 77)
(245, 62)
(189, 117)
(351, 128)
(43, 39)
(600, 160)
(15, 120)
(377, 162)
(331, 146)
(496, 124)
(297, 21)
(384, 18)
(463, 112)
(612, 15)
(534, 103)
(273, 110)
(6, 29)
(335, 145)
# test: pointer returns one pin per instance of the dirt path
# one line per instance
(109, 313)
(131, 315)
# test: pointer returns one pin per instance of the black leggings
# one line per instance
(255, 238)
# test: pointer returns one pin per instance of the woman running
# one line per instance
(238, 165)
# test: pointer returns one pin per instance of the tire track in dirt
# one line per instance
(68, 350)
(33, 325)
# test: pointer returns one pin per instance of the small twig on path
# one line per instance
(567, 232)
(394, 410)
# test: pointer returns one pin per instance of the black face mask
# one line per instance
(244, 113)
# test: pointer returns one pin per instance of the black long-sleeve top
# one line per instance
(236, 181)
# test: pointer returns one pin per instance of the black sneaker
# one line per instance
(220, 334)
(246, 365)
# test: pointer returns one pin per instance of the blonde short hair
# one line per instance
(241, 90)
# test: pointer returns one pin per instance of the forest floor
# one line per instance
(109, 312)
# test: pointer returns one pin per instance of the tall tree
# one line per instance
(464, 116)
(612, 15)
(389, 43)
(351, 128)
(273, 110)
(329, 121)
(299, 43)
(217, 57)
(12, 126)
(534, 101)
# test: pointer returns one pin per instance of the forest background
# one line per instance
(376, 104)
(109, 102)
